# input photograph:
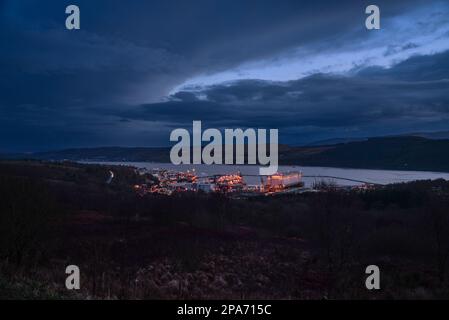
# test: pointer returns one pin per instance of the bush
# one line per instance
(26, 209)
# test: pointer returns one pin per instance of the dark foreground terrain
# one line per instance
(309, 246)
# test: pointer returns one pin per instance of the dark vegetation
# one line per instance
(308, 246)
(394, 153)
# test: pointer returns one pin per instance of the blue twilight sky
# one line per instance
(138, 69)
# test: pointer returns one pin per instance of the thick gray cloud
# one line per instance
(375, 101)
(109, 83)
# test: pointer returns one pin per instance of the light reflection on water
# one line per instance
(368, 175)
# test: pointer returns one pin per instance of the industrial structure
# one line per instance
(169, 182)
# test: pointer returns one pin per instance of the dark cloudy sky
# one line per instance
(138, 69)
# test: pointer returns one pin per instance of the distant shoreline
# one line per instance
(311, 173)
(393, 153)
(250, 165)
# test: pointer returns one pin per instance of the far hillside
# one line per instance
(389, 153)
(394, 153)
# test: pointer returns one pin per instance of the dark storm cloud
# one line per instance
(366, 102)
(104, 83)
(418, 68)
(140, 49)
